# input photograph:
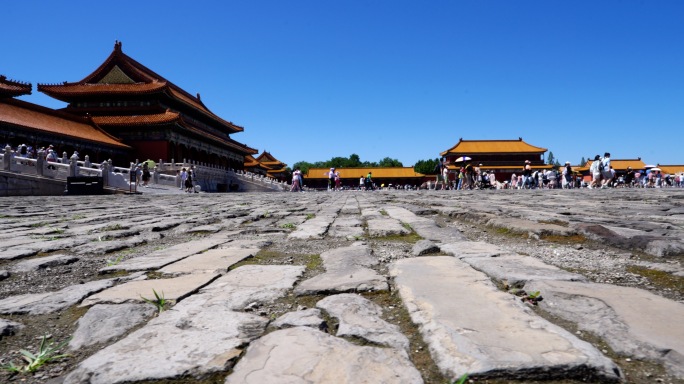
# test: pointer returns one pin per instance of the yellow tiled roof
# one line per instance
(620, 164)
(377, 173)
(468, 147)
(671, 169)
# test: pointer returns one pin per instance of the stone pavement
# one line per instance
(348, 287)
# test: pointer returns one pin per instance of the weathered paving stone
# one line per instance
(200, 335)
(381, 227)
(472, 327)
(48, 302)
(346, 271)
(44, 262)
(632, 321)
(105, 322)
(251, 284)
(172, 289)
(360, 317)
(423, 247)
(346, 227)
(304, 355)
(305, 318)
(4, 274)
(314, 228)
(212, 261)
(8, 328)
(517, 270)
(188, 339)
(424, 227)
(166, 256)
(461, 249)
(17, 253)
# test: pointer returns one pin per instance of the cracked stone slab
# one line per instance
(424, 227)
(251, 283)
(634, 322)
(8, 327)
(516, 270)
(48, 302)
(161, 258)
(44, 262)
(305, 318)
(528, 226)
(486, 332)
(360, 317)
(346, 271)
(17, 253)
(346, 227)
(303, 355)
(382, 226)
(201, 335)
(313, 229)
(212, 261)
(105, 322)
(185, 339)
(423, 247)
(172, 289)
(463, 249)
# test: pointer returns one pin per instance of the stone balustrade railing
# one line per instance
(208, 177)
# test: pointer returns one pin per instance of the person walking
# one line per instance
(606, 172)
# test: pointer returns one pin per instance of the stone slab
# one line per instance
(164, 257)
(346, 271)
(188, 339)
(172, 289)
(202, 334)
(485, 332)
(634, 322)
(360, 317)
(305, 318)
(516, 270)
(251, 283)
(303, 355)
(17, 253)
(461, 249)
(313, 228)
(352, 280)
(382, 226)
(48, 302)
(105, 322)
(43, 262)
(211, 261)
(8, 328)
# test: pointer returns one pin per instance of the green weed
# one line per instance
(288, 225)
(310, 216)
(462, 379)
(158, 301)
(47, 352)
(115, 261)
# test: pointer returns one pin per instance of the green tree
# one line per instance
(354, 160)
(303, 166)
(583, 161)
(426, 167)
(551, 160)
(387, 162)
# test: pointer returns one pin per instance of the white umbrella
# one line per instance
(655, 169)
(462, 158)
(649, 166)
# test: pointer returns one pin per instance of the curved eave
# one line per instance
(139, 120)
(228, 142)
(174, 92)
(10, 88)
(73, 92)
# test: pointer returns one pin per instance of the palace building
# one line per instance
(22, 122)
(395, 176)
(153, 116)
(503, 157)
(275, 168)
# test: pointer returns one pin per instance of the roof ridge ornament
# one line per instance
(117, 45)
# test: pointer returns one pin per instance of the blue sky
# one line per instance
(310, 80)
